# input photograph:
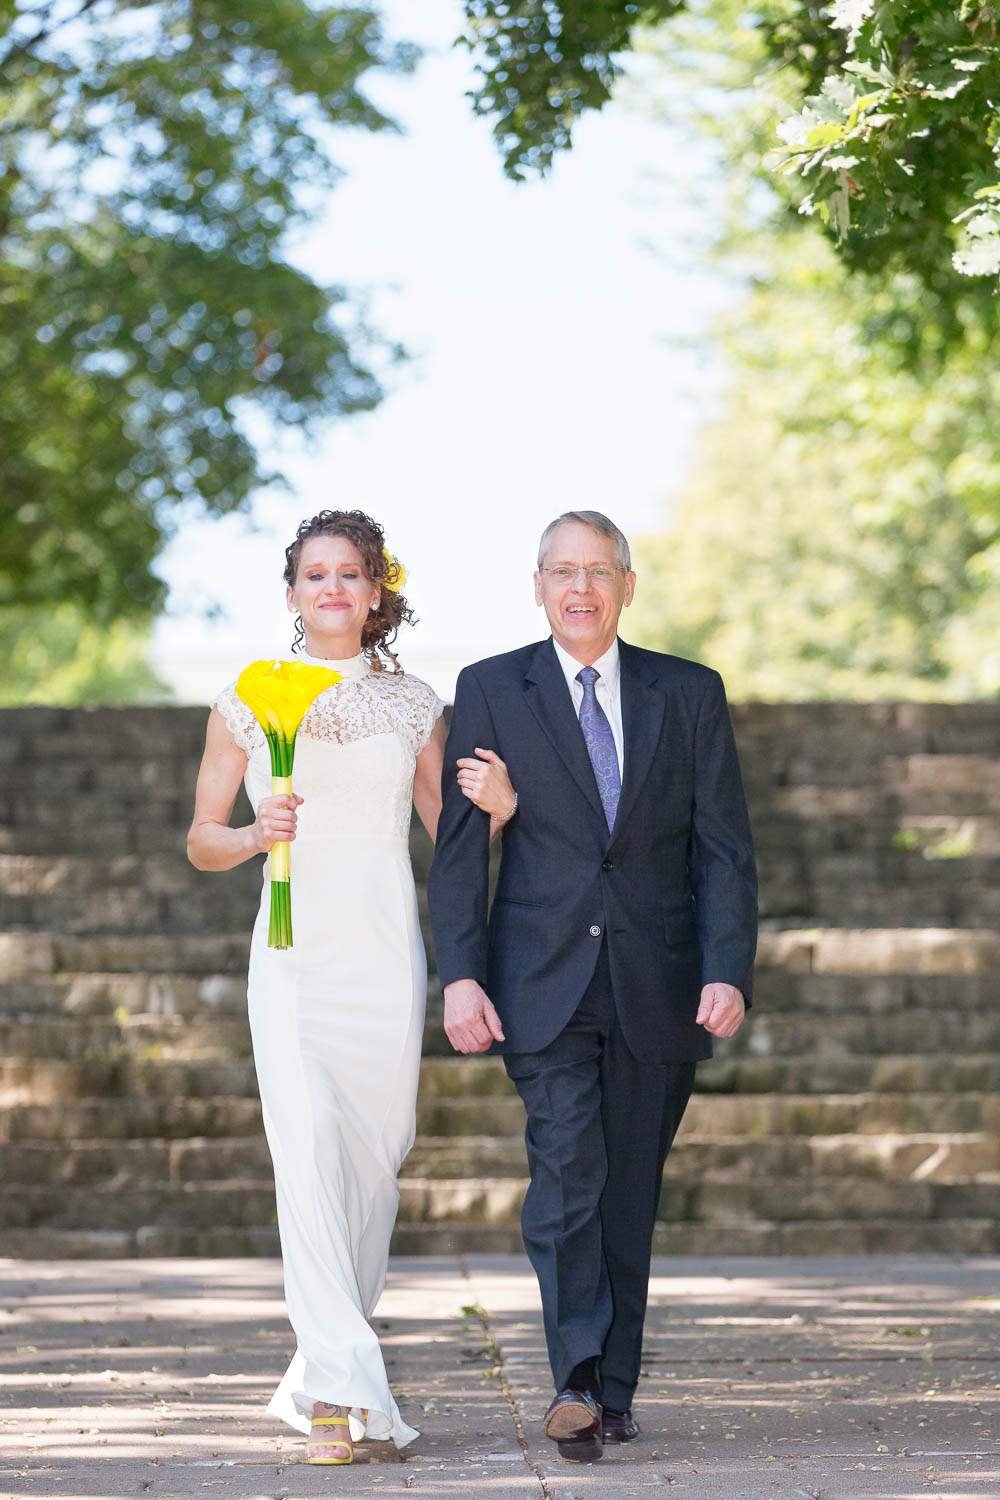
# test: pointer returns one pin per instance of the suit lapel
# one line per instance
(549, 699)
(643, 707)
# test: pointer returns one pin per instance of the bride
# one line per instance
(337, 1020)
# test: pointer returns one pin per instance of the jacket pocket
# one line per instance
(517, 901)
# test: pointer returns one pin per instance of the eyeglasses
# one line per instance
(602, 575)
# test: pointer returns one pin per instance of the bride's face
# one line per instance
(332, 592)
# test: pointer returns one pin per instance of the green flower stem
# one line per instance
(279, 933)
(279, 929)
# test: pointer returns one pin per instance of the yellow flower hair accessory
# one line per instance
(395, 573)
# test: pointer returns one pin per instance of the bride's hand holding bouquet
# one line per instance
(276, 821)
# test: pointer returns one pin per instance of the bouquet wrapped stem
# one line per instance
(280, 693)
(279, 927)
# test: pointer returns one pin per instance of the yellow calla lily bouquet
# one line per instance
(279, 694)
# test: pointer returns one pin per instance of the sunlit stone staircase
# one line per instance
(858, 1110)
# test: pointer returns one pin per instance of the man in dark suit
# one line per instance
(620, 941)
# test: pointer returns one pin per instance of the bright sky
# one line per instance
(547, 372)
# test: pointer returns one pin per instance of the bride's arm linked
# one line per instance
(485, 782)
(211, 843)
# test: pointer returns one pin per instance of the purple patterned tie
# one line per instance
(600, 744)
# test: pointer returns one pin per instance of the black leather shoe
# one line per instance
(618, 1426)
(573, 1422)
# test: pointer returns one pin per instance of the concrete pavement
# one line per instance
(824, 1378)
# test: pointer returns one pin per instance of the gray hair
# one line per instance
(601, 524)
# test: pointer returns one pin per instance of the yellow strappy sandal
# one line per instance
(345, 1443)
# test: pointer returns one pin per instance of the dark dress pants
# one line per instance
(599, 1126)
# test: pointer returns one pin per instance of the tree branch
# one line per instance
(44, 32)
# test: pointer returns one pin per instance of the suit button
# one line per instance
(595, 931)
(607, 865)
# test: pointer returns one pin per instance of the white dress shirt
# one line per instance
(607, 688)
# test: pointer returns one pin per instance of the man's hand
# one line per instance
(721, 1010)
(470, 1020)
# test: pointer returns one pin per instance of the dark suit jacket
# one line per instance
(673, 886)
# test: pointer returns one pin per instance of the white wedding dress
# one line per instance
(337, 1023)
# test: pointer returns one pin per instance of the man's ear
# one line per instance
(538, 588)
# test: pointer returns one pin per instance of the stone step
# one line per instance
(737, 1237)
(145, 830)
(851, 823)
(843, 817)
(137, 1163)
(458, 1078)
(237, 1201)
(492, 1199)
(116, 754)
(106, 913)
(73, 795)
(799, 948)
(32, 1081)
(225, 907)
(171, 994)
(711, 1116)
(84, 874)
(921, 727)
(931, 1157)
(25, 955)
(752, 1115)
(53, 996)
(966, 905)
(112, 1119)
(860, 1034)
(247, 1202)
(150, 1240)
(830, 995)
(934, 851)
(881, 950)
(829, 1074)
(450, 1088)
(883, 869)
(779, 735)
(138, 1036)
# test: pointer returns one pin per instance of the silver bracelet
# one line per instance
(504, 817)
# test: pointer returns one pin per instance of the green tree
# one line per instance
(60, 656)
(898, 145)
(893, 116)
(840, 532)
(153, 157)
(837, 537)
(542, 65)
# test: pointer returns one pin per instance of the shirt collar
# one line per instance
(607, 665)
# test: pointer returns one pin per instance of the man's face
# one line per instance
(583, 607)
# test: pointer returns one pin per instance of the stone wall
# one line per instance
(857, 1110)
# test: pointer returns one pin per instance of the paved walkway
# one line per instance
(823, 1378)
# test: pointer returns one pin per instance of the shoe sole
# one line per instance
(572, 1420)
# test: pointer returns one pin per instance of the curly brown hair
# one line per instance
(366, 534)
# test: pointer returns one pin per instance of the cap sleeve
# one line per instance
(424, 708)
(239, 719)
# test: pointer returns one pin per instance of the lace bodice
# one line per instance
(363, 705)
(355, 751)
